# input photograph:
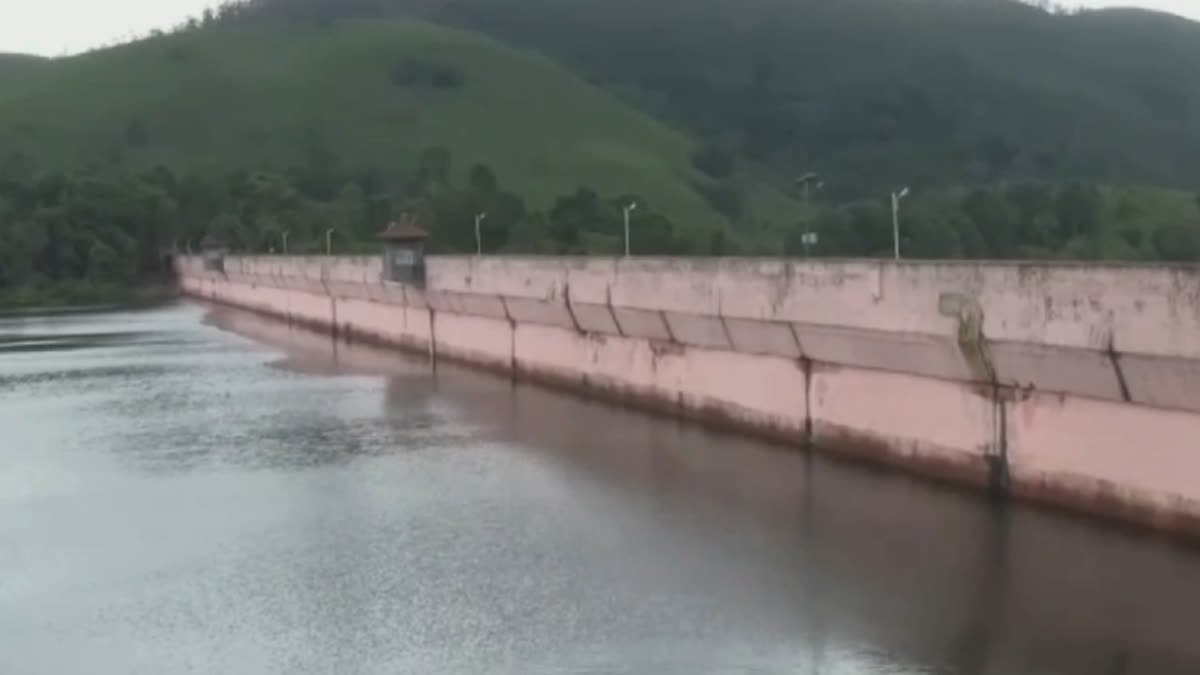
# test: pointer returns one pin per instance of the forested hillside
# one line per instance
(367, 95)
(870, 93)
(1022, 133)
(253, 131)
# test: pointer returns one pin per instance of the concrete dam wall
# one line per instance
(1077, 385)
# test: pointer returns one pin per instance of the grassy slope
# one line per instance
(232, 98)
(874, 91)
(18, 72)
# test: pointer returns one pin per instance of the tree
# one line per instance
(1177, 242)
(433, 168)
(718, 243)
(352, 212)
(106, 263)
(654, 235)
(483, 182)
(1078, 209)
(995, 218)
(570, 215)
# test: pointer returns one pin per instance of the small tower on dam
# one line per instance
(214, 248)
(404, 252)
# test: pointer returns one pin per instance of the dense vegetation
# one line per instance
(868, 92)
(71, 236)
(358, 118)
(358, 95)
(1023, 133)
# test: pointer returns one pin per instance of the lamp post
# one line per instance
(808, 240)
(329, 241)
(808, 237)
(285, 236)
(629, 208)
(479, 218)
(805, 180)
(896, 197)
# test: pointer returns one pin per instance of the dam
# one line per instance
(1072, 385)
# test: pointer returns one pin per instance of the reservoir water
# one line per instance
(188, 490)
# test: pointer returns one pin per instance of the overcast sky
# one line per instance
(54, 27)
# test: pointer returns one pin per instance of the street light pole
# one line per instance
(478, 238)
(896, 197)
(808, 237)
(329, 241)
(285, 235)
(627, 210)
(805, 180)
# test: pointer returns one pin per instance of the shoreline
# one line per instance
(69, 299)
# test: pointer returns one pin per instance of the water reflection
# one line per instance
(916, 571)
(235, 495)
(60, 342)
(912, 570)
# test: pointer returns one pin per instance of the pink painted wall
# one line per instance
(1084, 381)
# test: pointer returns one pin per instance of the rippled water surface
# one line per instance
(184, 492)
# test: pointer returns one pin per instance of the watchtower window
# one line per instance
(404, 252)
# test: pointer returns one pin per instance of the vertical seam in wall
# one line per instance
(805, 363)
(667, 326)
(1004, 435)
(973, 346)
(796, 336)
(432, 334)
(611, 311)
(287, 297)
(999, 478)
(333, 323)
(724, 326)
(808, 420)
(512, 337)
(404, 305)
(1115, 359)
(570, 309)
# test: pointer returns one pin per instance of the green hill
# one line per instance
(366, 94)
(871, 92)
(1050, 112)
(1022, 133)
(18, 71)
